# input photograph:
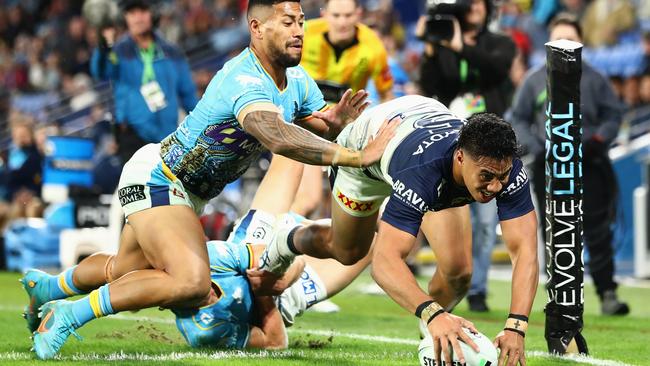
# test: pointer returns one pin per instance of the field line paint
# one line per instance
(121, 356)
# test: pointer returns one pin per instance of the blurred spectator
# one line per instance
(197, 22)
(617, 86)
(151, 80)
(168, 25)
(637, 119)
(574, 7)
(473, 68)
(74, 48)
(23, 162)
(81, 92)
(604, 20)
(42, 132)
(631, 96)
(601, 116)
(644, 89)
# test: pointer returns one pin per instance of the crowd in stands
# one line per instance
(46, 46)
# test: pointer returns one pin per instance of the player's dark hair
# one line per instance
(488, 135)
(254, 3)
(566, 19)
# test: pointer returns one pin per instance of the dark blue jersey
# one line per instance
(421, 173)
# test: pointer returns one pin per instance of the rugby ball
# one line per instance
(486, 357)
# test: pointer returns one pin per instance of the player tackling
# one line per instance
(434, 166)
(249, 105)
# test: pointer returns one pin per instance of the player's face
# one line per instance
(485, 177)
(283, 34)
(138, 21)
(564, 31)
(342, 17)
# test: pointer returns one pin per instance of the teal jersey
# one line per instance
(226, 323)
(210, 148)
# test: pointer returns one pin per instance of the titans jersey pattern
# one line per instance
(210, 148)
(226, 323)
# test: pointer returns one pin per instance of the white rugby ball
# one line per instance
(486, 357)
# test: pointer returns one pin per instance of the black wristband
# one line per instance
(518, 316)
(435, 315)
(516, 331)
(420, 308)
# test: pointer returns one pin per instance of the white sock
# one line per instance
(306, 291)
(313, 288)
(256, 227)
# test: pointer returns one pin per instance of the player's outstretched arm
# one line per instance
(269, 332)
(329, 122)
(343, 113)
(264, 122)
(520, 236)
(389, 269)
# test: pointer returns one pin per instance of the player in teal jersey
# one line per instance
(236, 313)
(250, 104)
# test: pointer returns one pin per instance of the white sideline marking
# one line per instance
(176, 356)
(121, 356)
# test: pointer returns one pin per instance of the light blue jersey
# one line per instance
(226, 323)
(210, 148)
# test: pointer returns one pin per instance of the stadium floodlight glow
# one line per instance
(563, 203)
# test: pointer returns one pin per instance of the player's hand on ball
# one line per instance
(347, 110)
(511, 349)
(377, 144)
(447, 330)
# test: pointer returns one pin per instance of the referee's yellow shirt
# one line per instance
(364, 59)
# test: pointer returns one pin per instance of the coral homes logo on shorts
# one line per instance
(131, 194)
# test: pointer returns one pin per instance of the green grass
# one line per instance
(311, 340)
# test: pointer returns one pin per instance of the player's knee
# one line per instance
(194, 291)
(460, 282)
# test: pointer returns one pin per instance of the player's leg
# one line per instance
(102, 268)
(356, 198)
(484, 221)
(336, 276)
(345, 238)
(320, 280)
(278, 188)
(88, 275)
(172, 240)
(310, 192)
(449, 233)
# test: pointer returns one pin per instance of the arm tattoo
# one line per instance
(289, 140)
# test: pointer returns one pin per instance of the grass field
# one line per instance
(369, 330)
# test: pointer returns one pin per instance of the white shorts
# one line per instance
(146, 182)
(357, 191)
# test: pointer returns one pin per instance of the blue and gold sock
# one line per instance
(96, 305)
(62, 286)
